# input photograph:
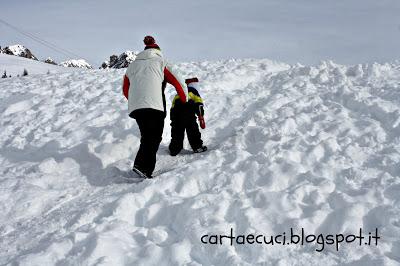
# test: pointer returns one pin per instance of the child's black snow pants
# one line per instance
(151, 125)
(181, 121)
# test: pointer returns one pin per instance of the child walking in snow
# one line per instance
(183, 117)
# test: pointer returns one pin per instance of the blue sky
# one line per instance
(305, 31)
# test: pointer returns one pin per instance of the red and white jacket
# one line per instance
(142, 84)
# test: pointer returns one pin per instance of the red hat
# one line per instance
(188, 81)
(150, 42)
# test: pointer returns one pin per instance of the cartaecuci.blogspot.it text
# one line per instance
(298, 237)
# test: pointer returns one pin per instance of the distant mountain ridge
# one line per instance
(78, 63)
(116, 61)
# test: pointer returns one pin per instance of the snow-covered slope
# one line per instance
(290, 147)
(14, 66)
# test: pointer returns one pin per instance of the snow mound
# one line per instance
(50, 60)
(77, 63)
(18, 50)
(296, 147)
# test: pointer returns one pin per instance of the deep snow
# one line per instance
(290, 147)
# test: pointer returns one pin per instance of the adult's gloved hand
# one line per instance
(202, 122)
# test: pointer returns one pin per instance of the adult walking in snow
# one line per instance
(144, 84)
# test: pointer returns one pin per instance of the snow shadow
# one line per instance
(90, 166)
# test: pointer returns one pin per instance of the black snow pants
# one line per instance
(182, 121)
(151, 125)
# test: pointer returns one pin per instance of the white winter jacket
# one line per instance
(143, 81)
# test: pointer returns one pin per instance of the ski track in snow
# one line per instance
(289, 146)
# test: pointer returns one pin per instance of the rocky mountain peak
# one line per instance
(121, 61)
(18, 50)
